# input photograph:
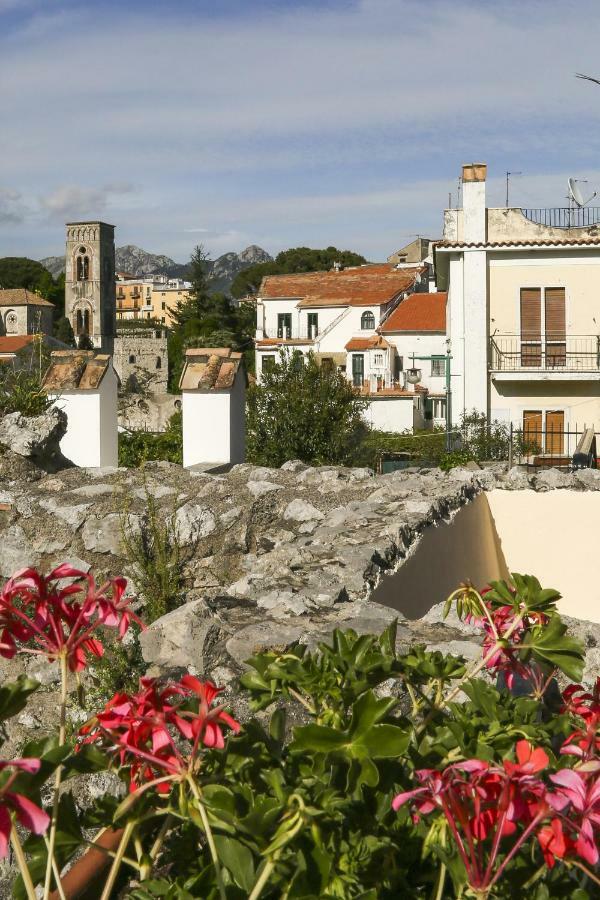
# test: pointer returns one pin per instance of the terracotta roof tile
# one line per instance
(530, 242)
(75, 370)
(418, 312)
(367, 343)
(22, 297)
(210, 369)
(14, 343)
(370, 285)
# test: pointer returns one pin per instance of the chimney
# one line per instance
(337, 267)
(473, 193)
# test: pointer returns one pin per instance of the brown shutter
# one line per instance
(555, 314)
(531, 314)
(555, 426)
(532, 430)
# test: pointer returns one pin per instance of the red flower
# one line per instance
(157, 732)
(579, 792)
(37, 615)
(27, 813)
(553, 842)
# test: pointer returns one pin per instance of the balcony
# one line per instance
(564, 217)
(575, 358)
(298, 334)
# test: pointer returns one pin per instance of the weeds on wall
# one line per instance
(21, 383)
(139, 447)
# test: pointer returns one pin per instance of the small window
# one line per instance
(439, 408)
(378, 360)
(268, 362)
(438, 368)
(163, 305)
(131, 358)
(367, 321)
(399, 365)
(158, 362)
(162, 319)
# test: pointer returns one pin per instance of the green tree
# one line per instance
(297, 259)
(21, 272)
(63, 332)
(303, 411)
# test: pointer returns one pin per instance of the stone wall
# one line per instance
(141, 355)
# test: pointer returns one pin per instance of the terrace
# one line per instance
(572, 358)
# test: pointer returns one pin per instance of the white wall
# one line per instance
(91, 437)
(421, 345)
(214, 425)
(109, 436)
(390, 413)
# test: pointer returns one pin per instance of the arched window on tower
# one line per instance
(87, 324)
(78, 322)
(158, 362)
(82, 265)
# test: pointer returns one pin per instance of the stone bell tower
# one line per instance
(90, 297)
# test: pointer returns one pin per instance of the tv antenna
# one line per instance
(575, 194)
(508, 174)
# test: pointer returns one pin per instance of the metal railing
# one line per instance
(294, 334)
(545, 447)
(510, 353)
(563, 216)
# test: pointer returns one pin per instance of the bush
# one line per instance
(21, 386)
(138, 447)
(303, 411)
(399, 775)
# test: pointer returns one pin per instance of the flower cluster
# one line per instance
(584, 742)
(481, 801)
(45, 615)
(158, 731)
(26, 812)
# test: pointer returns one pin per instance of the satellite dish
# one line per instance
(575, 193)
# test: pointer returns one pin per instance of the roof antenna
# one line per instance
(508, 174)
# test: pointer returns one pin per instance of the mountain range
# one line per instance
(138, 262)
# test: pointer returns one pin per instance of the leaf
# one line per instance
(277, 725)
(318, 738)
(14, 696)
(382, 742)
(368, 710)
(550, 644)
(238, 859)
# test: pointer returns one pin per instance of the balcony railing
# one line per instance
(563, 217)
(295, 334)
(509, 353)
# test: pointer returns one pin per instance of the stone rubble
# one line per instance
(269, 556)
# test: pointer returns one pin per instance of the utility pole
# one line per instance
(508, 174)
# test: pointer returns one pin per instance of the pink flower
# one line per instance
(26, 812)
(37, 615)
(581, 792)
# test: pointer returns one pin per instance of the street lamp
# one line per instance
(414, 375)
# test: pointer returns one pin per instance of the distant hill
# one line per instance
(138, 262)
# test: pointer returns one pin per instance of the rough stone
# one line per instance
(258, 488)
(267, 635)
(182, 638)
(15, 552)
(74, 516)
(553, 479)
(36, 437)
(301, 511)
(103, 535)
(193, 522)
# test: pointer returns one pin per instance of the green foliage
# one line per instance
(303, 411)
(21, 272)
(138, 447)
(423, 446)
(297, 259)
(20, 386)
(64, 332)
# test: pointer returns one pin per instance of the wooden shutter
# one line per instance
(531, 314)
(532, 430)
(555, 314)
(555, 426)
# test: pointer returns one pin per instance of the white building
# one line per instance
(213, 388)
(523, 313)
(84, 385)
(342, 315)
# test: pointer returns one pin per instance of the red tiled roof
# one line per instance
(367, 343)
(15, 343)
(22, 297)
(370, 285)
(210, 368)
(529, 242)
(418, 312)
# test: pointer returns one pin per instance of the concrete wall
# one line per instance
(390, 413)
(214, 425)
(579, 400)
(421, 345)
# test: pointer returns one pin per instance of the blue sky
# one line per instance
(280, 123)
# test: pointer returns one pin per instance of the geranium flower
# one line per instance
(581, 792)
(38, 615)
(26, 812)
(206, 725)
(553, 842)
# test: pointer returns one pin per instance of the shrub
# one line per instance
(407, 775)
(138, 447)
(21, 385)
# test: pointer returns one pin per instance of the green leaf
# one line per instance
(550, 644)
(238, 859)
(14, 696)
(382, 742)
(318, 738)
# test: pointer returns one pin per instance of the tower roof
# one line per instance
(91, 222)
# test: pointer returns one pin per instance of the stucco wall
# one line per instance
(390, 413)
(580, 400)
(214, 425)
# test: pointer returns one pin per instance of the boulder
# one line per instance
(193, 522)
(36, 437)
(301, 511)
(183, 638)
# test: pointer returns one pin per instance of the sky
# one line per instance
(280, 123)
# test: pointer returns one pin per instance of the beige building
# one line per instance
(150, 298)
(523, 313)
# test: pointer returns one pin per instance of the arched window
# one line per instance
(82, 265)
(131, 358)
(79, 322)
(11, 322)
(86, 321)
(158, 362)
(367, 321)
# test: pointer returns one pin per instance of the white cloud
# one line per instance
(12, 207)
(71, 201)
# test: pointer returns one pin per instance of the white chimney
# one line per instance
(473, 193)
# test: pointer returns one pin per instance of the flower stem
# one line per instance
(209, 837)
(114, 869)
(22, 863)
(61, 739)
(262, 880)
(439, 892)
(575, 862)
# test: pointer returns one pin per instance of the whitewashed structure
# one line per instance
(365, 321)
(213, 392)
(523, 312)
(84, 385)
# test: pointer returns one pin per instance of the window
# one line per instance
(378, 359)
(358, 369)
(158, 363)
(534, 437)
(367, 321)
(297, 361)
(313, 325)
(163, 305)
(327, 364)
(131, 358)
(438, 406)
(82, 265)
(162, 319)
(438, 368)
(268, 362)
(11, 323)
(284, 325)
(543, 338)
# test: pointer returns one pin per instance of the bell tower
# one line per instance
(90, 296)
